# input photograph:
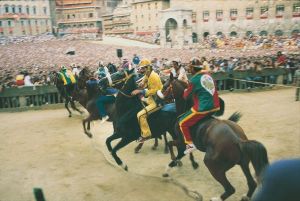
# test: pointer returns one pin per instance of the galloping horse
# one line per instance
(127, 127)
(223, 141)
(58, 82)
(118, 80)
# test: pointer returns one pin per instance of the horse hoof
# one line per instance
(154, 148)
(126, 168)
(70, 115)
(136, 150)
(179, 163)
(89, 134)
(165, 175)
(166, 151)
(195, 166)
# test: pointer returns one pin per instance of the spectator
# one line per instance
(27, 79)
(20, 79)
(135, 60)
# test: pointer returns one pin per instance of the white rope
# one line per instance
(192, 194)
(265, 83)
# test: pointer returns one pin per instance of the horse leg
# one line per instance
(154, 147)
(194, 163)
(66, 106)
(166, 143)
(139, 147)
(218, 172)
(74, 106)
(121, 144)
(170, 145)
(250, 181)
(110, 139)
(88, 121)
(176, 161)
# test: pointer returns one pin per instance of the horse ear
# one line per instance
(171, 76)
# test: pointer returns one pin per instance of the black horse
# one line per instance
(127, 127)
(67, 92)
(224, 143)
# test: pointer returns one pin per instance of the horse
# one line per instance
(64, 91)
(127, 126)
(224, 142)
(118, 80)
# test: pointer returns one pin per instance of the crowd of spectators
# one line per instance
(39, 56)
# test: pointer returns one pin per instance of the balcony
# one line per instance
(219, 19)
(263, 16)
(233, 18)
(249, 17)
(296, 14)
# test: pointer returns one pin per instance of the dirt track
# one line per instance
(49, 150)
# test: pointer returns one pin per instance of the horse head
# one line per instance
(173, 88)
(83, 76)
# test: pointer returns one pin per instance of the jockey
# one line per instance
(151, 84)
(205, 98)
(177, 70)
(68, 79)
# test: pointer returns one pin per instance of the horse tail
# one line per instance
(257, 153)
(235, 117)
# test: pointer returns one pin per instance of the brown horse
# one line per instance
(223, 141)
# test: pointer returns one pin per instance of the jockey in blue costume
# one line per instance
(103, 82)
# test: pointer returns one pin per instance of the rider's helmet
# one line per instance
(144, 63)
(63, 68)
(196, 63)
(177, 60)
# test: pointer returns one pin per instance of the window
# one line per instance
(249, 12)
(219, 15)
(27, 10)
(45, 10)
(6, 8)
(68, 16)
(233, 14)
(91, 15)
(149, 27)
(13, 9)
(264, 11)
(9, 23)
(155, 5)
(279, 10)
(36, 22)
(142, 16)
(296, 10)
(205, 16)
(29, 22)
(149, 7)
(34, 10)
(20, 9)
(22, 22)
(0, 23)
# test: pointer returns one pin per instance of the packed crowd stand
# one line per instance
(34, 58)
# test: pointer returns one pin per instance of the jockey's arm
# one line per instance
(188, 91)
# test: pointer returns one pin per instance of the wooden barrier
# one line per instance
(29, 96)
(47, 94)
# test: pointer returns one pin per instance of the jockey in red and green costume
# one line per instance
(203, 90)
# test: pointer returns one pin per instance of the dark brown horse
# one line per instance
(67, 93)
(223, 141)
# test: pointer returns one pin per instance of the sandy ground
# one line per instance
(49, 150)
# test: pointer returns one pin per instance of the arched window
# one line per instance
(184, 23)
(6, 8)
(278, 33)
(233, 34)
(249, 33)
(219, 33)
(205, 34)
(13, 9)
(27, 10)
(263, 33)
(20, 9)
(34, 10)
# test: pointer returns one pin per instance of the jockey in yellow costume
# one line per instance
(68, 79)
(151, 84)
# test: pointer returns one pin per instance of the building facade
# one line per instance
(80, 18)
(24, 17)
(145, 15)
(185, 23)
(118, 22)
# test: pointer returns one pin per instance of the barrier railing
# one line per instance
(29, 96)
(48, 94)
